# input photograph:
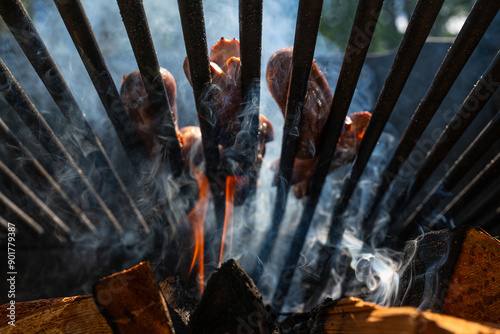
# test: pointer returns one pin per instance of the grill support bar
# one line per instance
(471, 190)
(480, 17)
(418, 29)
(483, 142)
(480, 94)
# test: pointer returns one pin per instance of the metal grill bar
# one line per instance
(18, 99)
(78, 25)
(472, 105)
(490, 172)
(4, 223)
(10, 139)
(421, 22)
(483, 142)
(23, 30)
(479, 206)
(193, 28)
(136, 24)
(250, 12)
(364, 23)
(477, 22)
(30, 194)
(21, 214)
(306, 32)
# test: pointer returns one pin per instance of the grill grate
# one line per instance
(193, 26)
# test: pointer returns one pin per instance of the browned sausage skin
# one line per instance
(316, 109)
(136, 102)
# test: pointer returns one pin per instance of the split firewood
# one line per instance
(231, 303)
(58, 315)
(131, 301)
(455, 272)
(356, 316)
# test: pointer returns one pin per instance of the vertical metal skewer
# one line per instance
(193, 28)
(306, 33)
(421, 22)
(250, 12)
(365, 21)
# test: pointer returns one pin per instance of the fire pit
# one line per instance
(86, 195)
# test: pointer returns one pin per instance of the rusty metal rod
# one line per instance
(480, 94)
(306, 32)
(20, 102)
(80, 30)
(364, 25)
(471, 190)
(25, 33)
(21, 214)
(480, 17)
(7, 172)
(136, 24)
(10, 139)
(421, 22)
(483, 142)
(250, 14)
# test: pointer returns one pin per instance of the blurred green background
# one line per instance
(338, 16)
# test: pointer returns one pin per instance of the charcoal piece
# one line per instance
(231, 303)
(180, 302)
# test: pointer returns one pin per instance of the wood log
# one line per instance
(353, 315)
(58, 315)
(231, 303)
(131, 301)
(455, 272)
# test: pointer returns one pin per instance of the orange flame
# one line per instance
(231, 184)
(197, 219)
